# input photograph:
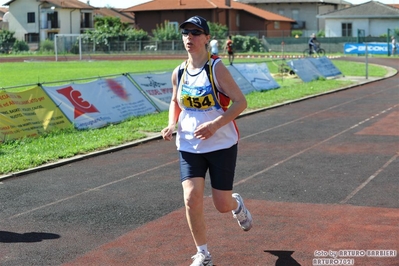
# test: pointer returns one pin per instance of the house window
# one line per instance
(86, 20)
(31, 17)
(277, 25)
(281, 12)
(51, 35)
(31, 37)
(175, 25)
(346, 29)
(52, 20)
(295, 14)
(238, 20)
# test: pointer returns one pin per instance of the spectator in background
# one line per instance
(394, 48)
(229, 48)
(214, 44)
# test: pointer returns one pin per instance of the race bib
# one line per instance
(202, 102)
(200, 98)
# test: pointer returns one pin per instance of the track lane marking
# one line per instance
(315, 113)
(315, 145)
(354, 192)
(92, 189)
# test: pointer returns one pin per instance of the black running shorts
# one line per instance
(221, 165)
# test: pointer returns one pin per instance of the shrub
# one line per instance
(294, 33)
(47, 46)
(20, 46)
(247, 44)
(321, 33)
(75, 48)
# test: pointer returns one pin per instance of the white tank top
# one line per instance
(200, 103)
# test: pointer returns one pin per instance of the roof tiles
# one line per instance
(368, 9)
(68, 4)
(160, 5)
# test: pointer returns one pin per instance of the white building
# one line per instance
(38, 20)
(372, 18)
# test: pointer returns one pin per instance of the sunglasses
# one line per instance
(193, 32)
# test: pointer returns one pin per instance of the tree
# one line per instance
(136, 35)
(108, 29)
(218, 30)
(7, 40)
(169, 32)
(166, 32)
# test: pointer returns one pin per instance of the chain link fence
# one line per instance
(283, 43)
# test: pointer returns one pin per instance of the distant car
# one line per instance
(150, 47)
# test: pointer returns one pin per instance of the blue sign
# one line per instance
(245, 86)
(360, 48)
(258, 75)
(305, 69)
(325, 66)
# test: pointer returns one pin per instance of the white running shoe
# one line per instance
(200, 259)
(243, 217)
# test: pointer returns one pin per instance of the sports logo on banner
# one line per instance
(81, 106)
(360, 48)
(158, 87)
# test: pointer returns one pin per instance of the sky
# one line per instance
(115, 3)
(103, 3)
(129, 3)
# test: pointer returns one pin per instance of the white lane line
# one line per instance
(313, 146)
(92, 189)
(313, 114)
(354, 192)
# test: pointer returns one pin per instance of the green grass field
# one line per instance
(19, 74)
(26, 153)
(28, 73)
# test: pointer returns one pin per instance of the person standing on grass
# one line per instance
(207, 136)
(393, 43)
(214, 44)
(229, 48)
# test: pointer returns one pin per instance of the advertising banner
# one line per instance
(28, 113)
(245, 86)
(157, 85)
(98, 103)
(360, 48)
(325, 66)
(258, 75)
(305, 69)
